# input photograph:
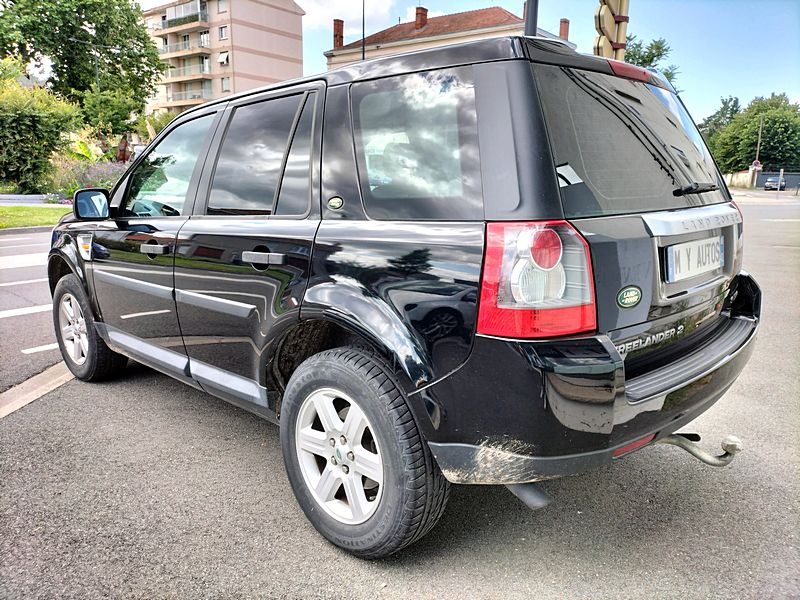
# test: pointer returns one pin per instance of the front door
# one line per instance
(243, 260)
(133, 253)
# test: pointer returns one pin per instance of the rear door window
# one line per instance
(249, 167)
(621, 146)
(417, 146)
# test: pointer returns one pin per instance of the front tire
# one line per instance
(356, 461)
(83, 350)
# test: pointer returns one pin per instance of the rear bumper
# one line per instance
(562, 408)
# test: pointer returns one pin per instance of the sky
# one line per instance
(742, 48)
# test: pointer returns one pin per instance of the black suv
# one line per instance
(491, 263)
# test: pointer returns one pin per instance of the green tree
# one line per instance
(734, 146)
(110, 111)
(88, 41)
(716, 122)
(651, 55)
(33, 123)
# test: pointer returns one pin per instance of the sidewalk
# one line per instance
(759, 196)
(21, 199)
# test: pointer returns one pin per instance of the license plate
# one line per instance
(691, 259)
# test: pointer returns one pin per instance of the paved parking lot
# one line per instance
(146, 488)
(27, 341)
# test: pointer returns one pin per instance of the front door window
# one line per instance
(159, 184)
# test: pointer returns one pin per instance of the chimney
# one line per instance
(338, 33)
(563, 29)
(422, 17)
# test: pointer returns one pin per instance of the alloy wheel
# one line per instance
(72, 328)
(339, 456)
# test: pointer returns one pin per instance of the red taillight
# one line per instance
(537, 281)
(623, 69)
(635, 445)
(546, 249)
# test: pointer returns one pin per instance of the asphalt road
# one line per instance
(146, 488)
(27, 341)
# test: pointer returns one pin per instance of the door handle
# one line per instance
(263, 258)
(154, 249)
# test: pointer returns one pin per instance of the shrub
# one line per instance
(70, 174)
(33, 124)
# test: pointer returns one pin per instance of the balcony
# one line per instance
(184, 49)
(187, 22)
(183, 99)
(177, 74)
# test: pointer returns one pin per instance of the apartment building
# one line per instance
(425, 32)
(219, 47)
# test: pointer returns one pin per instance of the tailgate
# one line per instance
(626, 152)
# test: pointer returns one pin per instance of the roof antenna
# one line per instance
(531, 16)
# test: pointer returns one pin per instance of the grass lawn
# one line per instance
(28, 216)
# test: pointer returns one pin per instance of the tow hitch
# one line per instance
(730, 445)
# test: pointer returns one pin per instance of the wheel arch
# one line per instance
(62, 262)
(313, 335)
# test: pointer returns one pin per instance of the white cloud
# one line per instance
(321, 13)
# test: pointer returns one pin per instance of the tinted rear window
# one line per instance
(417, 146)
(621, 146)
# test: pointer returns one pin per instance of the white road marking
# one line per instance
(25, 245)
(781, 220)
(28, 310)
(144, 314)
(25, 282)
(34, 388)
(23, 260)
(44, 348)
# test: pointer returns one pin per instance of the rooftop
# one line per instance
(471, 20)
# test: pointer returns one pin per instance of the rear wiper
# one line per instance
(695, 188)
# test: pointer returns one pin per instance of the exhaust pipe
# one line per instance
(531, 494)
(687, 441)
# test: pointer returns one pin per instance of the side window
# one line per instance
(295, 193)
(250, 159)
(159, 184)
(417, 146)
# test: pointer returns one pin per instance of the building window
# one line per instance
(224, 58)
(225, 82)
(205, 39)
(222, 6)
(223, 32)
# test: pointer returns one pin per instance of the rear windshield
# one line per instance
(621, 146)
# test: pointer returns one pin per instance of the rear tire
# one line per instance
(83, 350)
(412, 493)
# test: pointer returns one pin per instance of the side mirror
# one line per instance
(90, 204)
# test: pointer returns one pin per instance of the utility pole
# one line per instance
(611, 22)
(531, 18)
(94, 56)
(760, 128)
(363, 31)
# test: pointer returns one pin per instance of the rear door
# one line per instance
(242, 260)
(133, 253)
(662, 259)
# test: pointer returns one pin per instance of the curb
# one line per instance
(34, 229)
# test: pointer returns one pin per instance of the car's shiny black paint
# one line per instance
(409, 290)
(388, 281)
